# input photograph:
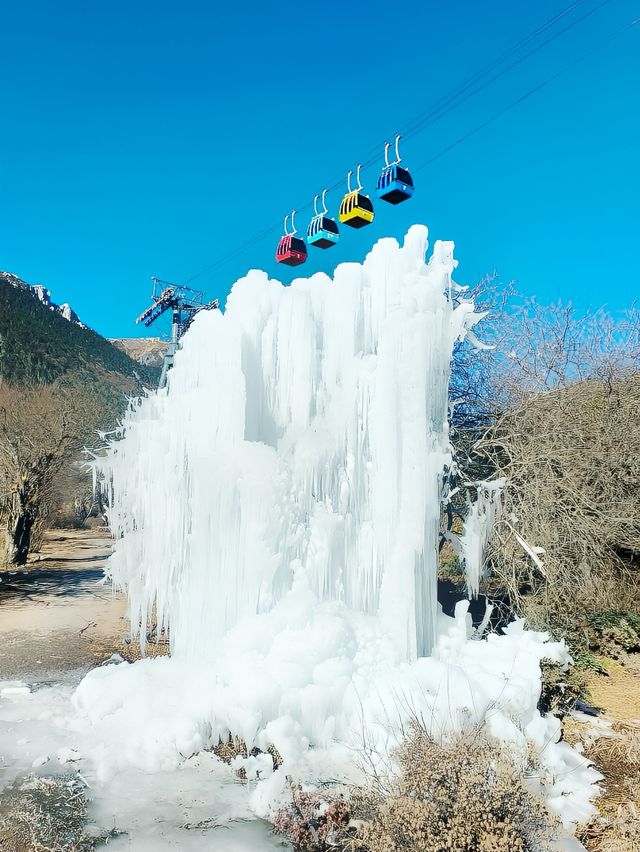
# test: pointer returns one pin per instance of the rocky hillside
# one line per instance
(42, 295)
(41, 342)
(148, 351)
(61, 386)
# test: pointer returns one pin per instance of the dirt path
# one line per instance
(58, 613)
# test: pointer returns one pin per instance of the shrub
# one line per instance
(571, 460)
(465, 794)
(314, 820)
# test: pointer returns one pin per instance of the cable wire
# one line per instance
(528, 94)
(452, 101)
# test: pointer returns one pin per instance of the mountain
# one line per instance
(145, 350)
(41, 342)
(43, 295)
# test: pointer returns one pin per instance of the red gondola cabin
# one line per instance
(291, 250)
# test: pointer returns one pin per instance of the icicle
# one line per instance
(477, 531)
(303, 436)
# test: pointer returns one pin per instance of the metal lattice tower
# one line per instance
(184, 303)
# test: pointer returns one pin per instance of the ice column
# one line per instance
(302, 438)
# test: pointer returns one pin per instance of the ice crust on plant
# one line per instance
(482, 514)
(278, 508)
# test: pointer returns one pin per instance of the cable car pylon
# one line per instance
(184, 303)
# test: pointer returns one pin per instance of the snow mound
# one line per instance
(331, 692)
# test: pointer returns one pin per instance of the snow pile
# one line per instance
(331, 692)
(278, 507)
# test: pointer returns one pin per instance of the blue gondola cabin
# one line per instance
(323, 232)
(395, 184)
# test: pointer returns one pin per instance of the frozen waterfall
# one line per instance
(302, 438)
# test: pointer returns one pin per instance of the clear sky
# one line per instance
(150, 138)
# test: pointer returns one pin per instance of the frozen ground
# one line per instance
(43, 657)
(200, 806)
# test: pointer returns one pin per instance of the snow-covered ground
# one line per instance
(199, 806)
(328, 690)
(57, 621)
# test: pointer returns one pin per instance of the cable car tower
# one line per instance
(184, 303)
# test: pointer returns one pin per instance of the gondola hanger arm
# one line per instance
(398, 158)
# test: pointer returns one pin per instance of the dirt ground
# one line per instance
(59, 613)
(612, 742)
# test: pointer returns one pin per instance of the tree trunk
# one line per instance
(16, 536)
(6, 547)
(23, 526)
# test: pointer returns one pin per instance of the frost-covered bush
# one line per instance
(553, 409)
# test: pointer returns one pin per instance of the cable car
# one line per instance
(322, 231)
(395, 184)
(291, 249)
(356, 209)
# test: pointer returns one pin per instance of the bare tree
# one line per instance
(564, 429)
(37, 429)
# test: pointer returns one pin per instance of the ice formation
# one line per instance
(278, 507)
(303, 431)
(478, 527)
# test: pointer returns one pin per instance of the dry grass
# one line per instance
(618, 692)
(228, 750)
(47, 815)
(102, 647)
(614, 747)
(232, 748)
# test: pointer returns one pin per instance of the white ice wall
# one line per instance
(302, 438)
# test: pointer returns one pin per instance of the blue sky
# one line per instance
(151, 138)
